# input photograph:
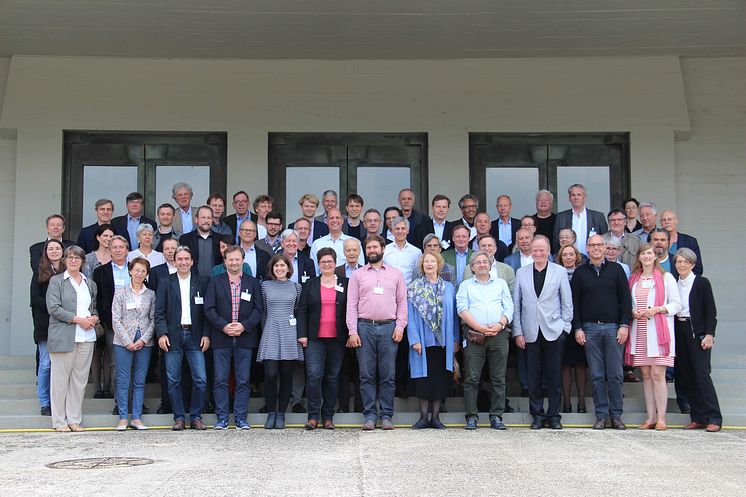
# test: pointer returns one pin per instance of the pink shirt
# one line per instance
(328, 319)
(364, 301)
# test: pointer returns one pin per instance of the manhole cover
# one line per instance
(100, 462)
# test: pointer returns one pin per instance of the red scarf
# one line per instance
(661, 322)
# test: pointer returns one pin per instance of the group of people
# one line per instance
(396, 304)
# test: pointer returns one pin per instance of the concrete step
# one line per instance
(17, 362)
(456, 419)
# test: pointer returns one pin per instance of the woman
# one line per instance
(431, 244)
(570, 258)
(101, 254)
(695, 335)
(132, 312)
(323, 333)
(631, 209)
(279, 347)
(71, 302)
(51, 263)
(651, 344)
(144, 235)
(431, 331)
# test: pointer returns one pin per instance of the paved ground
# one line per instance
(350, 463)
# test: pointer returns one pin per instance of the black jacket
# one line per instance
(190, 240)
(309, 310)
(36, 249)
(103, 276)
(168, 309)
(424, 229)
(119, 224)
(39, 308)
(702, 307)
(232, 220)
(515, 225)
(219, 308)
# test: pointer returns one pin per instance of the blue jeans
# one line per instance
(377, 353)
(605, 363)
(42, 380)
(242, 372)
(125, 360)
(323, 363)
(196, 359)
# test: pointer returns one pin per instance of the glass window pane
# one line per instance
(379, 185)
(198, 177)
(112, 182)
(520, 183)
(595, 179)
(311, 179)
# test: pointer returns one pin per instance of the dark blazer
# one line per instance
(340, 270)
(515, 225)
(690, 242)
(119, 224)
(309, 310)
(156, 275)
(262, 260)
(87, 237)
(319, 229)
(190, 240)
(595, 221)
(346, 228)
(168, 309)
(232, 220)
(415, 219)
(36, 249)
(305, 266)
(424, 229)
(103, 276)
(219, 308)
(702, 307)
(39, 312)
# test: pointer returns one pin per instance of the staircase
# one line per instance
(19, 408)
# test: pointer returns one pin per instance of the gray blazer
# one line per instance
(595, 221)
(551, 311)
(176, 226)
(62, 304)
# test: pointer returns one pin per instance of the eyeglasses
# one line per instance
(245, 230)
(469, 206)
(595, 245)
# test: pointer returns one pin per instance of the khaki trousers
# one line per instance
(69, 377)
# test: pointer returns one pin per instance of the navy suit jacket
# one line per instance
(515, 225)
(219, 310)
(595, 221)
(425, 228)
(319, 229)
(168, 309)
(305, 266)
(158, 274)
(689, 242)
(87, 237)
(119, 224)
(190, 240)
(232, 220)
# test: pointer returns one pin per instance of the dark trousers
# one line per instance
(495, 353)
(349, 373)
(693, 369)
(323, 363)
(186, 381)
(377, 354)
(174, 360)
(277, 401)
(242, 371)
(544, 361)
(402, 366)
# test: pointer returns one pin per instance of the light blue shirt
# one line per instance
(666, 264)
(505, 231)
(121, 275)
(460, 266)
(186, 220)
(132, 224)
(295, 276)
(349, 270)
(239, 220)
(439, 229)
(250, 258)
(487, 302)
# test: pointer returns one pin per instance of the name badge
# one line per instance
(445, 244)
(304, 278)
(246, 296)
(647, 284)
(131, 305)
(378, 290)
(339, 288)
(292, 321)
(119, 282)
(199, 300)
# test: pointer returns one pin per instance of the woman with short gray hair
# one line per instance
(144, 235)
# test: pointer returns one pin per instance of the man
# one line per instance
(469, 204)
(262, 206)
(233, 307)
(505, 227)
(543, 317)
(271, 242)
(669, 222)
(401, 254)
(529, 223)
(104, 210)
(203, 243)
(498, 269)
(524, 257)
(241, 206)
(602, 311)
(415, 218)
(308, 205)
(659, 239)
(255, 258)
(628, 243)
(302, 226)
(352, 249)
(335, 239)
(165, 230)
(458, 256)
(184, 221)
(544, 216)
(438, 224)
(486, 308)
(126, 225)
(303, 268)
(329, 202)
(648, 212)
(217, 203)
(182, 332)
(55, 224)
(372, 223)
(376, 318)
(353, 225)
(108, 278)
(584, 222)
(389, 214)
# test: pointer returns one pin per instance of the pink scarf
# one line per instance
(661, 322)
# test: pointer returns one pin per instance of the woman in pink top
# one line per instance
(323, 333)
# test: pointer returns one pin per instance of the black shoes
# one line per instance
(45, 411)
(298, 408)
(537, 423)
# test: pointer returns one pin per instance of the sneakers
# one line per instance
(221, 424)
(471, 423)
(241, 424)
(496, 423)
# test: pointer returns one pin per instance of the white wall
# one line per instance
(248, 99)
(7, 191)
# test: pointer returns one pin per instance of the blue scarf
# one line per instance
(428, 301)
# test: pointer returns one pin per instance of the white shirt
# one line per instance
(184, 286)
(337, 245)
(250, 258)
(526, 260)
(155, 258)
(685, 288)
(580, 227)
(171, 269)
(404, 259)
(83, 304)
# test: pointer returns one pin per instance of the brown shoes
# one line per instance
(178, 425)
(386, 424)
(660, 426)
(618, 424)
(694, 426)
(328, 424)
(197, 424)
(311, 424)
(76, 428)
(647, 426)
(713, 428)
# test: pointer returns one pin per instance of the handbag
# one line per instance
(473, 336)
